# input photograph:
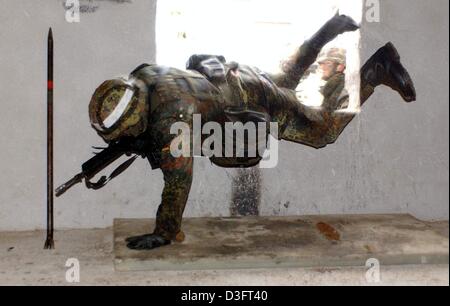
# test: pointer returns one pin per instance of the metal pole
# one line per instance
(49, 243)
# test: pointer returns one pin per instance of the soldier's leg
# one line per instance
(306, 55)
(317, 128)
(385, 68)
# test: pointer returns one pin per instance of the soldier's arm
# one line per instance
(177, 173)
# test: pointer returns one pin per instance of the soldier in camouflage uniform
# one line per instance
(333, 63)
(223, 92)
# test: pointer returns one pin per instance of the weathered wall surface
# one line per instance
(392, 158)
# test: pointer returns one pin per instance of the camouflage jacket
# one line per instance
(176, 95)
(334, 93)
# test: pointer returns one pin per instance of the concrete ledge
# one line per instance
(287, 242)
(23, 261)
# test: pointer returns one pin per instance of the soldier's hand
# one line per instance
(146, 242)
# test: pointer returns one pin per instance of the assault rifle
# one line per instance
(100, 161)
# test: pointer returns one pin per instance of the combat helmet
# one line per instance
(119, 108)
(337, 55)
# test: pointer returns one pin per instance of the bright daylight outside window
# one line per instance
(260, 33)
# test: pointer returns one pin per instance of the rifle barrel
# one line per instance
(69, 184)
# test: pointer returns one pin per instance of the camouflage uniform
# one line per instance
(334, 93)
(318, 128)
(175, 95)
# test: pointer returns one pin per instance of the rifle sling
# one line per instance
(104, 180)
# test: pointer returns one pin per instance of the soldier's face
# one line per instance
(328, 69)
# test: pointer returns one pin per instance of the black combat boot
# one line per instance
(385, 68)
(306, 55)
(337, 25)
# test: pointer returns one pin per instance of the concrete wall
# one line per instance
(393, 158)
